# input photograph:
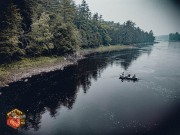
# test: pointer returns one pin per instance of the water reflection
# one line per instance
(53, 90)
(174, 45)
(126, 57)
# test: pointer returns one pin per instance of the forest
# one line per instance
(174, 36)
(33, 28)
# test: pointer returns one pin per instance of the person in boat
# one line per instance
(129, 75)
(123, 74)
(134, 76)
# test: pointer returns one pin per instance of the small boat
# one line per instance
(128, 78)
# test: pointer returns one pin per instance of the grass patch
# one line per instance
(111, 48)
(106, 48)
(3, 71)
(34, 62)
(29, 63)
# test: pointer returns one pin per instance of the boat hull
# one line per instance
(128, 78)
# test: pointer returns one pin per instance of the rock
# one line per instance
(26, 80)
(6, 85)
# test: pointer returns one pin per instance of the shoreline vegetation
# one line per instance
(35, 28)
(39, 36)
(28, 67)
(174, 37)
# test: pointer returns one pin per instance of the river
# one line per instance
(90, 99)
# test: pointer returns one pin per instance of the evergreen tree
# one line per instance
(10, 30)
(67, 10)
(174, 36)
(41, 34)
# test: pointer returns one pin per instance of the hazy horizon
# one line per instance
(161, 16)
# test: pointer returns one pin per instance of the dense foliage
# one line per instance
(174, 36)
(30, 28)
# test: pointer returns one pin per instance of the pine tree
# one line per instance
(67, 10)
(10, 29)
(41, 34)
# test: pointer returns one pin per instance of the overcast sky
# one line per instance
(162, 16)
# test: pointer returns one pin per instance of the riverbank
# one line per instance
(29, 67)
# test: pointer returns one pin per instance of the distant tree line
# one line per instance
(31, 28)
(174, 36)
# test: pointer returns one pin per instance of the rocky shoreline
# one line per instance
(22, 74)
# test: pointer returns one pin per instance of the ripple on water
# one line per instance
(159, 90)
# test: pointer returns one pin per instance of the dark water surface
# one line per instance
(90, 99)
